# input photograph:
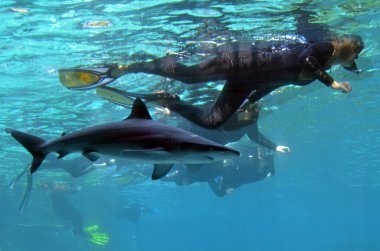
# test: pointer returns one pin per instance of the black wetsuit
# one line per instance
(243, 173)
(247, 71)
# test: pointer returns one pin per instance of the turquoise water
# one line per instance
(325, 194)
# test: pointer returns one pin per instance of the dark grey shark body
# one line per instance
(140, 140)
(137, 138)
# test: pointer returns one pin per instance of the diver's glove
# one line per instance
(345, 87)
(282, 149)
(163, 98)
(162, 111)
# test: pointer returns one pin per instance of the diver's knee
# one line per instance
(213, 123)
(216, 125)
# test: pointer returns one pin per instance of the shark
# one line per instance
(137, 138)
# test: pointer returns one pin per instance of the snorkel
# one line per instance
(353, 68)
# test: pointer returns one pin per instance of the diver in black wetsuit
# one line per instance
(248, 70)
(250, 168)
(253, 73)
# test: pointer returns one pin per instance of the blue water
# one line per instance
(324, 196)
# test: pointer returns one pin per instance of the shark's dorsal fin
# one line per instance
(139, 110)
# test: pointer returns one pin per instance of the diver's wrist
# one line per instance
(335, 85)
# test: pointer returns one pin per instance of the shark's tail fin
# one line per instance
(32, 144)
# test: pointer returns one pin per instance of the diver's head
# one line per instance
(347, 50)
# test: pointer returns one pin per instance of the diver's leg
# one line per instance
(229, 100)
(259, 92)
(167, 66)
(230, 61)
(76, 220)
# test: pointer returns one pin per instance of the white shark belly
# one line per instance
(161, 157)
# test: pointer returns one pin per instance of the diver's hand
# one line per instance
(283, 149)
(162, 111)
(345, 87)
(230, 190)
(100, 165)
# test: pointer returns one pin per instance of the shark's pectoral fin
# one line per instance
(91, 155)
(160, 170)
(62, 154)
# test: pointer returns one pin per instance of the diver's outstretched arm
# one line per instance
(325, 78)
(309, 62)
(255, 135)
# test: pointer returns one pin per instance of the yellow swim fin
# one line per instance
(88, 78)
(95, 236)
(126, 99)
